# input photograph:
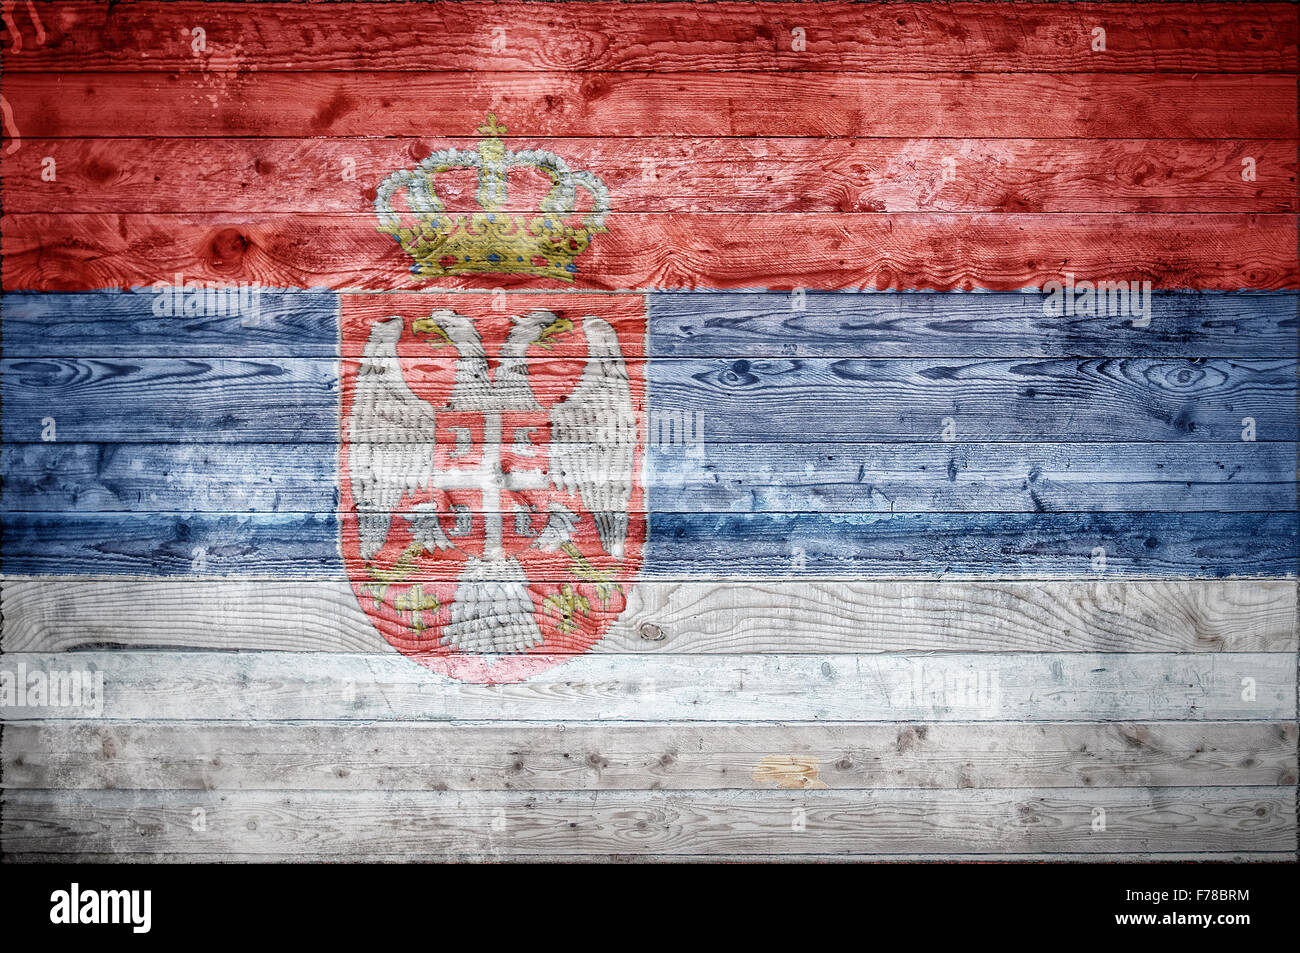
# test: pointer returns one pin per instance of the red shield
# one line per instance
(491, 492)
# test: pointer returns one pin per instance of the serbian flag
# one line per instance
(731, 362)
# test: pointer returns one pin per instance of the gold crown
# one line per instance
(543, 242)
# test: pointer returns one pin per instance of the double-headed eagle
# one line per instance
(393, 435)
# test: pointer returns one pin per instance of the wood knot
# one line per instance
(652, 633)
(226, 250)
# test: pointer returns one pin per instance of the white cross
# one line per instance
(490, 479)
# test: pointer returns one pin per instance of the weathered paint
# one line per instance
(858, 459)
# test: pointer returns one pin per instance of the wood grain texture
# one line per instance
(979, 477)
(912, 104)
(863, 399)
(623, 858)
(122, 324)
(688, 324)
(435, 825)
(939, 324)
(928, 251)
(844, 618)
(987, 686)
(672, 175)
(707, 477)
(577, 756)
(158, 477)
(724, 618)
(164, 399)
(1214, 37)
(692, 545)
(874, 545)
(769, 400)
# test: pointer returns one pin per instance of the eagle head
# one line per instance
(444, 326)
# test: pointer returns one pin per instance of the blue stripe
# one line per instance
(263, 544)
(699, 324)
(817, 400)
(814, 400)
(960, 324)
(112, 400)
(209, 445)
(123, 324)
(765, 544)
(707, 478)
(886, 545)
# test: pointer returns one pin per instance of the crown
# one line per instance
(544, 242)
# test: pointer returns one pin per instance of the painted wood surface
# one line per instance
(676, 175)
(694, 545)
(747, 325)
(704, 477)
(433, 825)
(776, 400)
(985, 686)
(871, 602)
(912, 104)
(928, 251)
(714, 618)
(681, 324)
(581, 756)
(1048, 37)
(611, 859)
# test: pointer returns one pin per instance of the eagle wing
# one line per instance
(392, 433)
(594, 437)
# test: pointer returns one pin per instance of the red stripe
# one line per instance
(280, 207)
(928, 251)
(973, 105)
(991, 37)
(673, 175)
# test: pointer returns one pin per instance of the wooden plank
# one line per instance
(727, 618)
(981, 477)
(889, 715)
(274, 323)
(692, 545)
(152, 399)
(864, 399)
(993, 687)
(501, 825)
(939, 251)
(942, 324)
(216, 544)
(703, 477)
(911, 104)
(570, 756)
(684, 324)
(766, 400)
(1213, 37)
(674, 175)
(196, 477)
(1146, 857)
(875, 545)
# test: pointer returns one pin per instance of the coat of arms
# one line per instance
(492, 503)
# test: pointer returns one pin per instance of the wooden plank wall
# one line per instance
(943, 676)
